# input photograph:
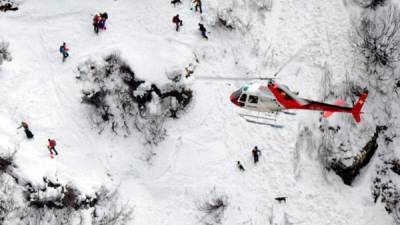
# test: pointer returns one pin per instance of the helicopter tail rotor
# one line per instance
(356, 111)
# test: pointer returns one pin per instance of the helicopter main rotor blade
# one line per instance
(291, 59)
(258, 78)
(233, 78)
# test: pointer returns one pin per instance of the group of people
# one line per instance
(99, 22)
(51, 143)
(256, 154)
(178, 21)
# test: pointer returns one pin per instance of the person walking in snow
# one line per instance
(103, 19)
(197, 5)
(177, 21)
(64, 51)
(203, 31)
(189, 70)
(52, 147)
(256, 153)
(240, 166)
(96, 23)
(28, 133)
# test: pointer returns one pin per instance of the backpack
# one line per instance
(61, 49)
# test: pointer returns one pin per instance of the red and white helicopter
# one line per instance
(276, 98)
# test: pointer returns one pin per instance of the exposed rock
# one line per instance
(349, 173)
(395, 166)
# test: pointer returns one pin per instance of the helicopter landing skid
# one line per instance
(268, 120)
(289, 113)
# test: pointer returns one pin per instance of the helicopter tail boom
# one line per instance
(329, 113)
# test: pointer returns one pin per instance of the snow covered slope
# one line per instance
(163, 183)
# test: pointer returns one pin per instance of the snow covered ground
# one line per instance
(202, 147)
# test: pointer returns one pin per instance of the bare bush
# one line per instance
(107, 210)
(213, 208)
(378, 38)
(5, 55)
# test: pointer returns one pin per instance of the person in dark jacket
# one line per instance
(256, 153)
(64, 51)
(177, 21)
(103, 19)
(203, 31)
(28, 132)
(240, 166)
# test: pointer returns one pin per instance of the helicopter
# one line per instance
(274, 98)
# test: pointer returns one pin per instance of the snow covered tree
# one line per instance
(122, 101)
(54, 203)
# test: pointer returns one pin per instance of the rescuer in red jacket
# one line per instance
(51, 147)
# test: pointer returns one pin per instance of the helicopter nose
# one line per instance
(234, 99)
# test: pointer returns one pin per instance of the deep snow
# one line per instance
(202, 146)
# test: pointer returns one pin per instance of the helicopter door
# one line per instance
(252, 101)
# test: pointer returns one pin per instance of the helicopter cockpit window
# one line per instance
(284, 94)
(253, 99)
(243, 98)
(237, 93)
